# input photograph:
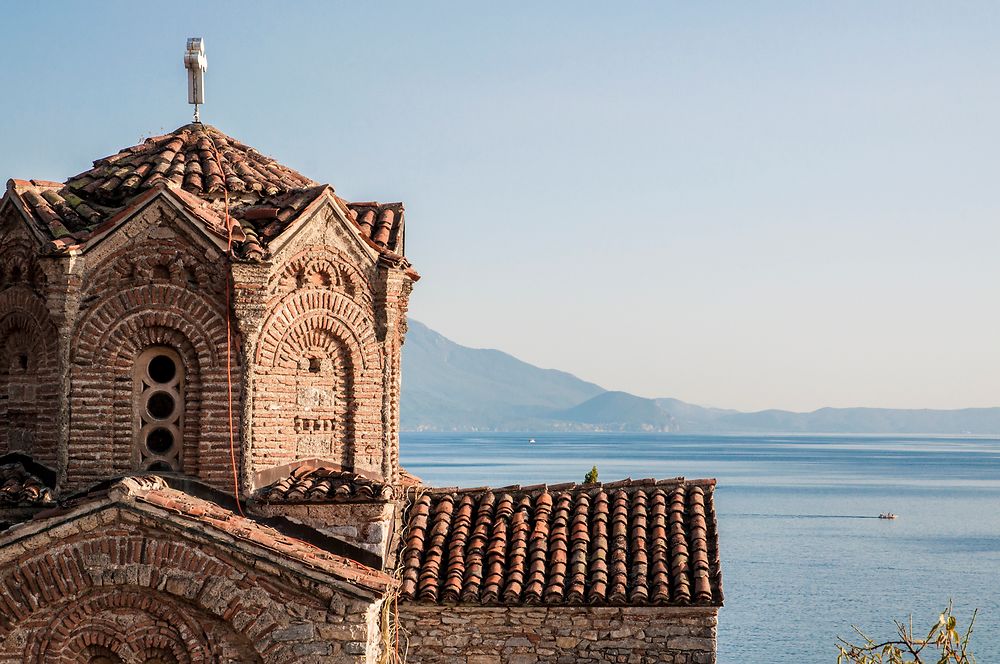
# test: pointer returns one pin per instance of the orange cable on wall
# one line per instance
(229, 328)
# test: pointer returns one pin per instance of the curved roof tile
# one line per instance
(646, 542)
(264, 196)
(20, 488)
(323, 485)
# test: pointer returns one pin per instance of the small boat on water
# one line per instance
(531, 440)
(887, 515)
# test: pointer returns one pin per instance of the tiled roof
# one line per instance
(323, 485)
(209, 516)
(186, 157)
(382, 222)
(642, 542)
(408, 479)
(264, 196)
(19, 488)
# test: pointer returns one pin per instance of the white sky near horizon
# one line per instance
(745, 205)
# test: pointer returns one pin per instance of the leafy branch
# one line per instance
(943, 644)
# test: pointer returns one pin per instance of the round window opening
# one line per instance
(162, 369)
(160, 405)
(159, 441)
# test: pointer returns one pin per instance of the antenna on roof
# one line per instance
(197, 64)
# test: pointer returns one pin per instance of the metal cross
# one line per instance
(197, 64)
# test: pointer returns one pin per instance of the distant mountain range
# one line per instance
(449, 387)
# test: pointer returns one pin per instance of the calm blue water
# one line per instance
(802, 558)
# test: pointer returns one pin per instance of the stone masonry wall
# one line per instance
(29, 365)
(365, 525)
(570, 635)
(322, 335)
(114, 582)
(153, 283)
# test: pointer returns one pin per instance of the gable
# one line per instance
(17, 220)
(325, 223)
(161, 232)
(145, 507)
(140, 572)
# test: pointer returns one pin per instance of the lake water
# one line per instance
(802, 557)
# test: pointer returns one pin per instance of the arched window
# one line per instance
(158, 409)
(159, 656)
(100, 655)
(20, 398)
(105, 659)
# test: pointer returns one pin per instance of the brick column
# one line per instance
(392, 288)
(249, 308)
(65, 280)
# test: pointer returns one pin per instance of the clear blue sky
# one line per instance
(738, 204)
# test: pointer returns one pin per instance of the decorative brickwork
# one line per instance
(117, 572)
(29, 378)
(318, 367)
(28, 375)
(109, 339)
(130, 625)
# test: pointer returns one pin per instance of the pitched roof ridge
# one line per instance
(157, 493)
(624, 483)
(200, 161)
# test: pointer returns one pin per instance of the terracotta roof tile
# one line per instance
(323, 485)
(265, 197)
(644, 542)
(153, 491)
(20, 488)
(408, 479)
(187, 158)
(251, 531)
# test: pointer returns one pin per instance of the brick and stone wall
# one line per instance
(152, 283)
(115, 582)
(322, 336)
(29, 364)
(317, 367)
(317, 329)
(368, 526)
(570, 635)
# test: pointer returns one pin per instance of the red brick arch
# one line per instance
(19, 266)
(28, 375)
(131, 623)
(295, 315)
(316, 324)
(326, 266)
(108, 338)
(134, 591)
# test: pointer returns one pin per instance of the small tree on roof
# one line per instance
(591, 476)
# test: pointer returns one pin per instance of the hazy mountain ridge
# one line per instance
(447, 386)
(450, 387)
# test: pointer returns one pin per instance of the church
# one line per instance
(199, 448)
